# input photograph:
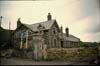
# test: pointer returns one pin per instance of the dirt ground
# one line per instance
(19, 61)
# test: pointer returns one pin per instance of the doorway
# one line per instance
(62, 44)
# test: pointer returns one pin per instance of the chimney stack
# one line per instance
(49, 17)
(67, 32)
(18, 23)
(61, 28)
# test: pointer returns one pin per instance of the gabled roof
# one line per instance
(46, 24)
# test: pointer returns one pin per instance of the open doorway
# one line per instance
(62, 44)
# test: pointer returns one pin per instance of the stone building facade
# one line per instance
(47, 33)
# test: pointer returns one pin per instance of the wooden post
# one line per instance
(35, 52)
(26, 39)
(44, 51)
(21, 42)
(9, 32)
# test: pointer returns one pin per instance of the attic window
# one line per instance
(54, 32)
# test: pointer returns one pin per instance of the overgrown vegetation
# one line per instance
(70, 54)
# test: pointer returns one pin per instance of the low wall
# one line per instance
(71, 54)
(63, 54)
(23, 54)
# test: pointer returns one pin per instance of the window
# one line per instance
(54, 32)
(62, 44)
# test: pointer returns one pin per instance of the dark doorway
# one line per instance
(62, 44)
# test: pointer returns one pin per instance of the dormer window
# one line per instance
(40, 27)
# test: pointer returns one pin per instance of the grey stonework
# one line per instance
(37, 35)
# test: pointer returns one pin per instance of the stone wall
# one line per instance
(71, 54)
(53, 34)
(22, 53)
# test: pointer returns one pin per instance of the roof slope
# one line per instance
(45, 24)
(70, 38)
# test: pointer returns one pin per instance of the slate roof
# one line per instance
(46, 24)
(70, 38)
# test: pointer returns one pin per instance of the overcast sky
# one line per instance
(81, 16)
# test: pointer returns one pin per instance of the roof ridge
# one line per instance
(42, 22)
(37, 23)
(46, 24)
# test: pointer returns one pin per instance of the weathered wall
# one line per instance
(54, 35)
(71, 54)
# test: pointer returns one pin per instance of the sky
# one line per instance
(80, 16)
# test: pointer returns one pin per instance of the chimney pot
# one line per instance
(49, 17)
